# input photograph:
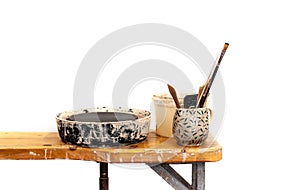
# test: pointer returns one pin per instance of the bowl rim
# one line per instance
(146, 116)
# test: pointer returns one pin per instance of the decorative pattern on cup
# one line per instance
(191, 126)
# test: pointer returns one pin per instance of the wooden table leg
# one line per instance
(103, 180)
(198, 176)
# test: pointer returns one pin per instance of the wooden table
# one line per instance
(157, 152)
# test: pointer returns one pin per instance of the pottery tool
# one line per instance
(205, 91)
(190, 100)
(174, 95)
(200, 91)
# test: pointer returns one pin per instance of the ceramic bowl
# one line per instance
(191, 126)
(101, 127)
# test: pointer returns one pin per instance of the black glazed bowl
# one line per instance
(103, 127)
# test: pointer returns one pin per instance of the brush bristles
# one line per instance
(225, 46)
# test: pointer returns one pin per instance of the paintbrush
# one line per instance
(174, 95)
(211, 78)
(202, 88)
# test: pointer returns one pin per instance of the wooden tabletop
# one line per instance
(155, 149)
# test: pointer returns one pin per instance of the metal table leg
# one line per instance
(198, 176)
(170, 176)
(177, 181)
(103, 179)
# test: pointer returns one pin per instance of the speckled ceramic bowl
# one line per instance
(101, 127)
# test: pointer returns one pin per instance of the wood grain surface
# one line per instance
(155, 149)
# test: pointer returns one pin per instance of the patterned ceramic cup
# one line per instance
(191, 126)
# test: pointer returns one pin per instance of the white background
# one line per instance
(43, 43)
